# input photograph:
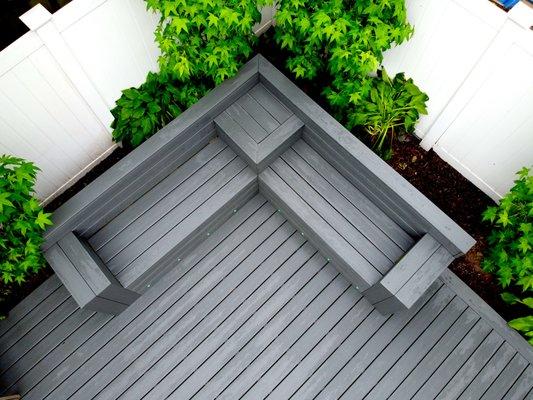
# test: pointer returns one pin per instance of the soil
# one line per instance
(464, 203)
(437, 180)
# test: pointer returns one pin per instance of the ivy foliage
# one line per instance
(22, 220)
(344, 41)
(510, 256)
(142, 111)
(205, 39)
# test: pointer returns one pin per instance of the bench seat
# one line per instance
(185, 205)
(360, 239)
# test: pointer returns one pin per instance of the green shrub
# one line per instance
(22, 220)
(142, 111)
(510, 256)
(345, 38)
(394, 104)
(202, 43)
(205, 39)
(343, 43)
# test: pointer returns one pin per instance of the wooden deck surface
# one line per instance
(248, 295)
(256, 312)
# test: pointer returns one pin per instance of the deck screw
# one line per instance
(302, 233)
(179, 259)
(208, 234)
(234, 211)
(328, 259)
(148, 285)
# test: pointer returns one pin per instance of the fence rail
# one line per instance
(59, 81)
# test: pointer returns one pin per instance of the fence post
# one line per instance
(39, 20)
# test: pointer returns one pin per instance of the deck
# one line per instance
(263, 266)
(256, 312)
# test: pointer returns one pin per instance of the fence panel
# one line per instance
(114, 44)
(450, 37)
(486, 132)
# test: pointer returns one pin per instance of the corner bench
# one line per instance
(255, 132)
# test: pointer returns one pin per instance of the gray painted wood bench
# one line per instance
(255, 132)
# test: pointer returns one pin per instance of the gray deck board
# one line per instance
(522, 386)
(256, 312)
(247, 123)
(355, 239)
(500, 386)
(150, 224)
(258, 113)
(351, 194)
(157, 194)
(270, 103)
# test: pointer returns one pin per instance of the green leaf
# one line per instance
(4, 201)
(524, 324)
(510, 298)
(43, 219)
(179, 24)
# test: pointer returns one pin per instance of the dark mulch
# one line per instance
(464, 203)
(442, 184)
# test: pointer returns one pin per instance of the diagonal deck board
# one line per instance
(256, 312)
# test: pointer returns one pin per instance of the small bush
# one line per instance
(393, 106)
(205, 39)
(343, 43)
(511, 247)
(142, 111)
(22, 220)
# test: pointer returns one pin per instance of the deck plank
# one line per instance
(278, 358)
(256, 312)
(414, 367)
(270, 103)
(160, 298)
(246, 122)
(479, 344)
(190, 291)
(300, 366)
(149, 347)
(381, 342)
(159, 192)
(337, 183)
(258, 113)
(500, 386)
(352, 215)
(203, 364)
(236, 308)
(355, 239)
(217, 171)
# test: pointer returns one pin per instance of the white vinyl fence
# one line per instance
(59, 81)
(476, 63)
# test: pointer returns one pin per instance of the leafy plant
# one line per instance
(511, 247)
(22, 220)
(205, 39)
(394, 104)
(142, 111)
(345, 41)
(343, 37)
